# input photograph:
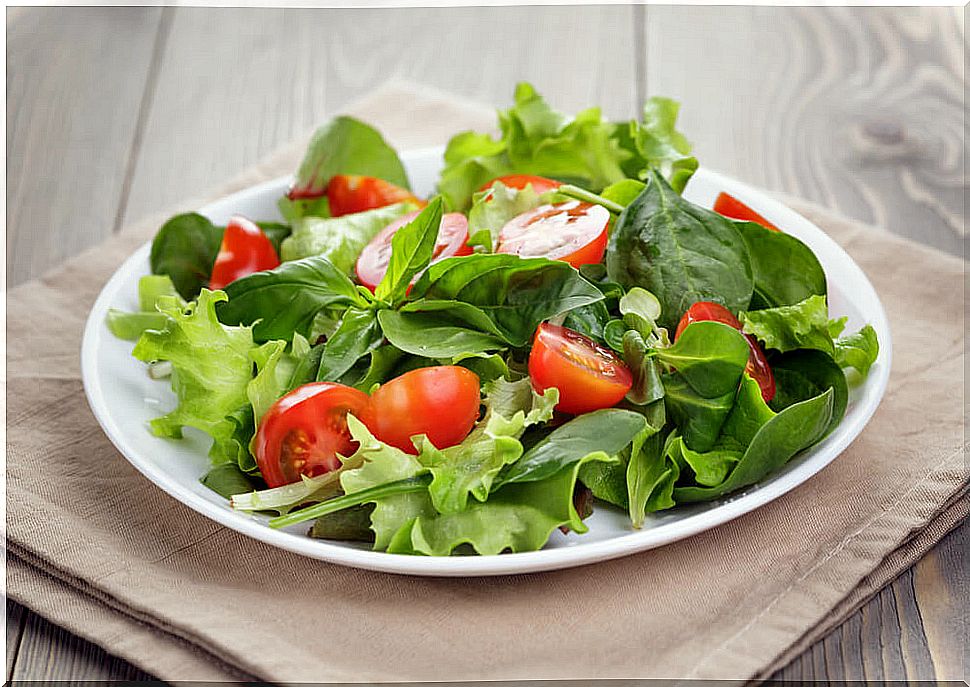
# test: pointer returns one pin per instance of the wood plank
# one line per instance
(859, 109)
(75, 81)
(15, 627)
(48, 652)
(250, 92)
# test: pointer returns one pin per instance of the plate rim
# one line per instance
(507, 563)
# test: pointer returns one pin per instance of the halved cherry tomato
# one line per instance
(373, 260)
(729, 206)
(302, 433)
(574, 232)
(589, 376)
(520, 181)
(440, 402)
(757, 366)
(347, 194)
(245, 249)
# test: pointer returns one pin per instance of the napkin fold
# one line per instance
(95, 547)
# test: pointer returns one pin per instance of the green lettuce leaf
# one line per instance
(858, 350)
(789, 327)
(339, 239)
(655, 143)
(492, 209)
(212, 366)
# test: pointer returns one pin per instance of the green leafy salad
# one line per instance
(556, 330)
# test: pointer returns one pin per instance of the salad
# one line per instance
(556, 330)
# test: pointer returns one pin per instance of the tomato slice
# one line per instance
(574, 232)
(245, 249)
(539, 184)
(302, 433)
(729, 206)
(757, 367)
(348, 194)
(373, 260)
(440, 402)
(589, 376)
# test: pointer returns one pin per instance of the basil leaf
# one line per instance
(680, 252)
(434, 335)
(185, 249)
(285, 300)
(790, 431)
(515, 293)
(345, 145)
(606, 431)
(784, 269)
(412, 248)
(358, 334)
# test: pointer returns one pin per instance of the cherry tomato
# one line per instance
(729, 206)
(440, 402)
(347, 194)
(589, 376)
(757, 366)
(373, 260)
(520, 181)
(245, 249)
(302, 433)
(574, 232)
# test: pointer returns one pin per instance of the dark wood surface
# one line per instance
(116, 112)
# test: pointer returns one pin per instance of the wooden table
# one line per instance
(116, 112)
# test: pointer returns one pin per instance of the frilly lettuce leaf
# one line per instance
(492, 209)
(654, 142)
(858, 350)
(212, 367)
(786, 328)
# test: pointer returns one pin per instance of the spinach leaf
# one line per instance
(680, 252)
(227, 479)
(710, 356)
(275, 232)
(804, 374)
(710, 468)
(590, 320)
(285, 300)
(515, 293)
(339, 239)
(650, 475)
(358, 334)
(749, 414)
(412, 248)
(785, 270)
(607, 431)
(185, 249)
(792, 430)
(858, 350)
(606, 480)
(435, 335)
(699, 418)
(345, 145)
(350, 524)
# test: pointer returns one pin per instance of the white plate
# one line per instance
(124, 399)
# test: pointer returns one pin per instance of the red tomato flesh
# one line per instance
(304, 431)
(729, 206)
(373, 260)
(245, 249)
(440, 402)
(539, 184)
(347, 194)
(574, 232)
(757, 367)
(589, 376)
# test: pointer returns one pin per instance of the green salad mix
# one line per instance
(557, 330)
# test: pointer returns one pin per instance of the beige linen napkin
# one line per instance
(97, 548)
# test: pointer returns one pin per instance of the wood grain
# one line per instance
(75, 82)
(252, 92)
(859, 109)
